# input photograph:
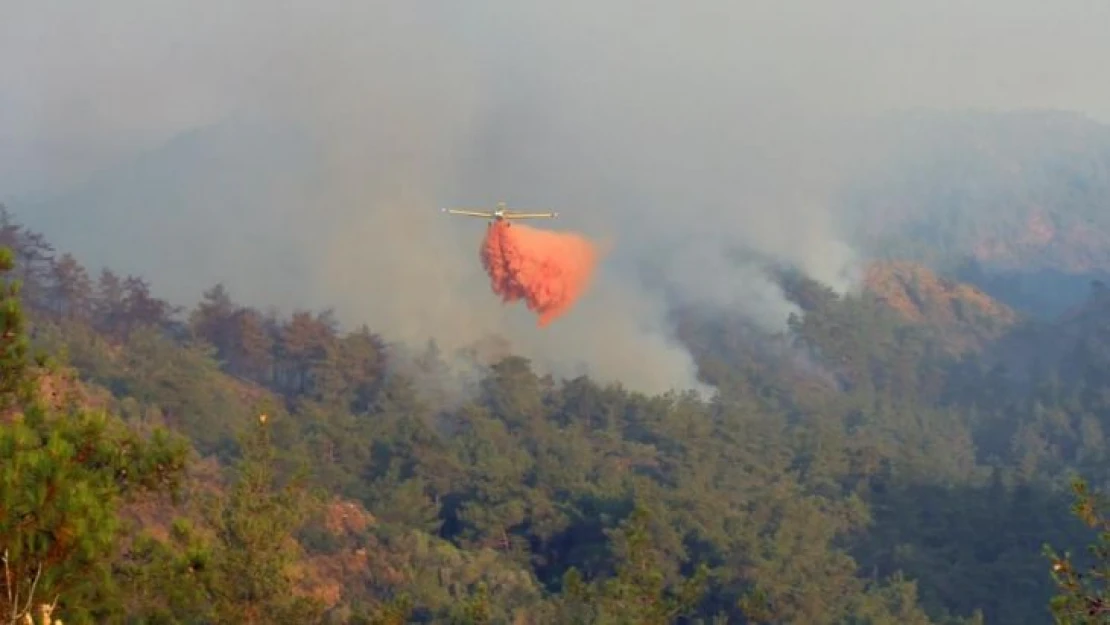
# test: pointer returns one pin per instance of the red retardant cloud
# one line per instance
(548, 270)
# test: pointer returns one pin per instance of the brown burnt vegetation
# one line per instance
(965, 316)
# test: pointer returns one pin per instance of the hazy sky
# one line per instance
(329, 133)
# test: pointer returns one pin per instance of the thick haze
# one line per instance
(300, 151)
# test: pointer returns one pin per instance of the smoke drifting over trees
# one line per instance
(310, 145)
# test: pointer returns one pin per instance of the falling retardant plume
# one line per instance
(548, 270)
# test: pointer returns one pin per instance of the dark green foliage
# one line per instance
(850, 471)
(234, 563)
(638, 592)
(167, 582)
(254, 524)
(64, 476)
(474, 610)
(1083, 592)
(14, 382)
(60, 490)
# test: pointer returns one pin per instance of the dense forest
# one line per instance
(906, 455)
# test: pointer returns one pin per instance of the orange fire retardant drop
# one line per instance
(548, 270)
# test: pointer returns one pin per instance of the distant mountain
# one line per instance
(187, 211)
(1026, 189)
(1014, 202)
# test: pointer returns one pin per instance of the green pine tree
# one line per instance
(64, 476)
(638, 593)
(1083, 597)
(255, 549)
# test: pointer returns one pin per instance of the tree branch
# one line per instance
(12, 600)
(34, 584)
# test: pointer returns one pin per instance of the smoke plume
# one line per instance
(548, 270)
(299, 151)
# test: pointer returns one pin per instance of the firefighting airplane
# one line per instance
(499, 214)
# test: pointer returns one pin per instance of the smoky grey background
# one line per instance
(299, 152)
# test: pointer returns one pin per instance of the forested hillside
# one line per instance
(899, 457)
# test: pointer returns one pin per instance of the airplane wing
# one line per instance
(469, 213)
(551, 215)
